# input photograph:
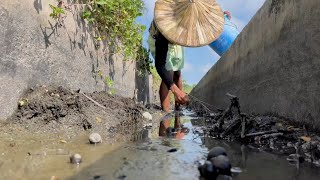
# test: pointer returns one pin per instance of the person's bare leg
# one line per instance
(163, 127)
(177, 78)
(164, 97)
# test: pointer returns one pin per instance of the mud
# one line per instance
(59, 110)
(52, 123)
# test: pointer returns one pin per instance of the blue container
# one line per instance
(229, 34)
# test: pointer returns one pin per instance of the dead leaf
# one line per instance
(23, 102)
(306, 138)
(98, 120)
(62, 141)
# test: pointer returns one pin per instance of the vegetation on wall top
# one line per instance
(113, 20)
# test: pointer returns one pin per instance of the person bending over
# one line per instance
(169, 60)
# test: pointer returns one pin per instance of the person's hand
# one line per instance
(181, 97)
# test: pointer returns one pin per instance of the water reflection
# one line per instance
(173, 128)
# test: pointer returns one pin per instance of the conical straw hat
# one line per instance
(190, 23)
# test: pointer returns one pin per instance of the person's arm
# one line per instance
(167, 76)
(160, 60)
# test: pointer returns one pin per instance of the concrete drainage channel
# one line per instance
(175, 154)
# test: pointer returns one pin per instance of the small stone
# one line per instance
(122, 177)
(96, 177)
(172, 150)
(95, 138)
(208, 171)
(76, 159)
(216, 151)
(236, 170)
(147, 115)
(223, 164)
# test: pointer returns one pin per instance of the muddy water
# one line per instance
(26, 156)
(33, 156)
(150, 159)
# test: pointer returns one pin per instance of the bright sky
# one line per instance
(199, 60)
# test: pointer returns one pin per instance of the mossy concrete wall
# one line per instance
(35, 50)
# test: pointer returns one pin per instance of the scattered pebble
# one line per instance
(217, 164)
(95, 138)
(236, 170)
(216, 151)
(76, 159)
(96, 177)
(223, 163)
(147, 115)
(172, 150)
(122, 177)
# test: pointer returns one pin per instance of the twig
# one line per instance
(232, 127)
(95, 102)
(261, 133)
(221, 119)
(234, 103)
(272, 135)
(231, 96)
(243, 125)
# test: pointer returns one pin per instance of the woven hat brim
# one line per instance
(190, 24)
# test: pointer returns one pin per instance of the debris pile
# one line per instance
(217, 165)
(60, 110)
(267, 133)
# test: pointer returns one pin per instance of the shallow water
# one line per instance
(150, 160)
(147, 158)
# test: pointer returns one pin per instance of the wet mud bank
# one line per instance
(299, 143)
(53, 123)
(59, 110)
